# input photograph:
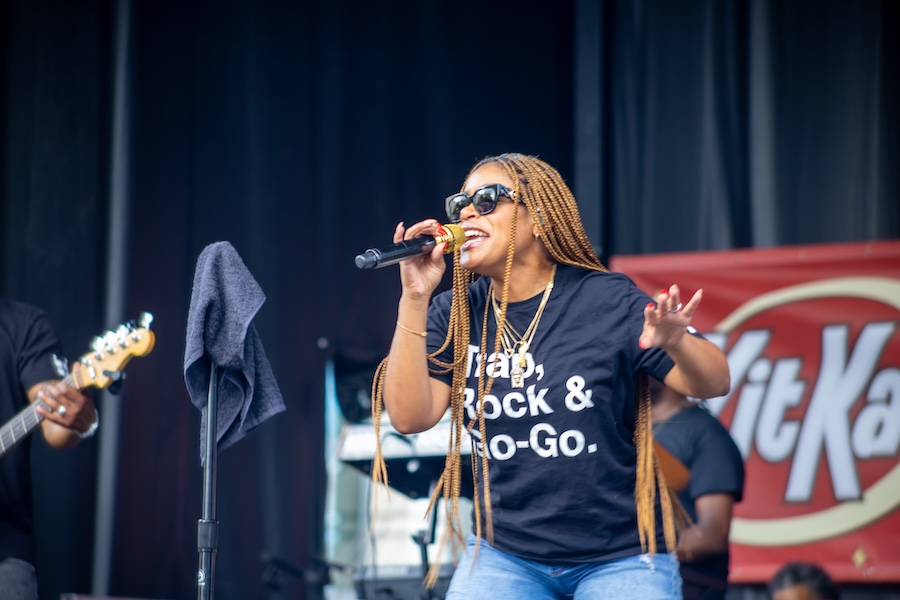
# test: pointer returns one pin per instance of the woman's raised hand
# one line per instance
(420, 275)
(666, 322)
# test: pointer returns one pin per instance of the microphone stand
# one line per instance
(207, 526)
(423, 538)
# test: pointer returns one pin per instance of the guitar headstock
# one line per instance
(111, 352)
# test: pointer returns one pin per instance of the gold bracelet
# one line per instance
(418, 333)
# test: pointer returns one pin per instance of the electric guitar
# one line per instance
(100, 368)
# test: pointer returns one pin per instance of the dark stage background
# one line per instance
(136, 133)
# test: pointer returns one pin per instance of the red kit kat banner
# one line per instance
(811, 334)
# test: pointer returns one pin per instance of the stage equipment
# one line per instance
(399, 582)
(353, 386)
(414, 462)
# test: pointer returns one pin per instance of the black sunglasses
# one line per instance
(484, 200)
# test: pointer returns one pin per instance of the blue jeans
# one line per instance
(500, 576)
(17, 580)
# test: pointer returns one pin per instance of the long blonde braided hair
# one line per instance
(558, 221)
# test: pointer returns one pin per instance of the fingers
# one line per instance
(429, 226)
(420, 275)
(666, 320)
(52, 403)
(63, 404)
(669, 302)
(398, 232)
(694, 302)
(646, 339)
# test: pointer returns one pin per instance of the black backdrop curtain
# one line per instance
(302, 132)
(737, 124)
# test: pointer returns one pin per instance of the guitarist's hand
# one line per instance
(68, 413)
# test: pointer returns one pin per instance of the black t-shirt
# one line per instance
(27, 343)
(701, 442)
(562, 453)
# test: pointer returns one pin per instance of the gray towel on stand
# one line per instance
(220, 332)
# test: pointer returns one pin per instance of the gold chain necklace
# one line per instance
(516, 345)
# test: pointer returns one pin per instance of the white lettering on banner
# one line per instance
(857, 371)
(768, 389)
(747, 410)
(826, 422)
(877, 428)
(775, 438)
(748, 347)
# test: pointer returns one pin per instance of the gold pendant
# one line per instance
(516, 377)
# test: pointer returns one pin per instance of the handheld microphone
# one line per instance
(375, 258)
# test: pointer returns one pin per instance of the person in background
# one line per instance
(28, 344)
(799, 580)
(702, 444)
(544, 355)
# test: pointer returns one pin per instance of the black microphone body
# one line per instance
(375, 258)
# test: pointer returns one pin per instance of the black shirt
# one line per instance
(561, 448)
(27, 343)
(701, 442)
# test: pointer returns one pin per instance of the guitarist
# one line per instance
(28, 344)
(704, 446)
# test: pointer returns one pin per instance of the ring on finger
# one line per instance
(61, 410)
(676, 309)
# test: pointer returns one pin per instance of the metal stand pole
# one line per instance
(207, 526)
(424, 537)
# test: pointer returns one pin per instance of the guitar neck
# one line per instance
(26, 421)
(99, 368)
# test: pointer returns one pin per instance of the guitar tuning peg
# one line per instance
(145, 319)
(122, 335)
(110, 340)
(97, 344)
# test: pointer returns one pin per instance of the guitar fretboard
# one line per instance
(20, 427)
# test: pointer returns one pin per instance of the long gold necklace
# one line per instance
(515, 344)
